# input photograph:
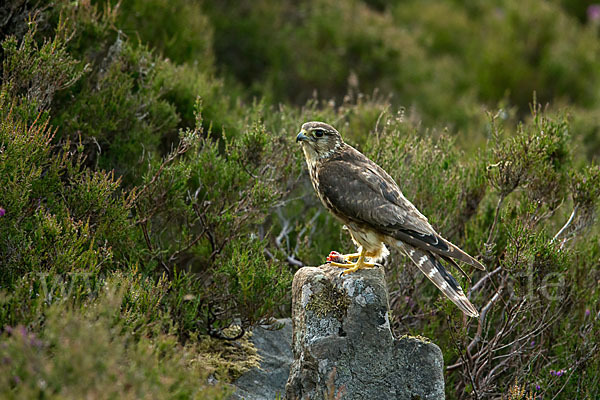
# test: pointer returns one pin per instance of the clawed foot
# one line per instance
(341, 260)
(350, 268)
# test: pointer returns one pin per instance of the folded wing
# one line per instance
(356, 188)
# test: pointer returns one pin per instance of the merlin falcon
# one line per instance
(366, 199)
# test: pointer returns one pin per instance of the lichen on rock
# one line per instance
(342, 342)
(416, 337)
(329, 300)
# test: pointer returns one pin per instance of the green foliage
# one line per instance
(183, 84)
(130, 101)
(441, 59)
(511, 48)
(60, 216)
(67, 225)
(256, 285)
(33, 73)
(88, 352)
(185, 33)
(537, 157)
(201, 211)
(341, 48)
(120, 110)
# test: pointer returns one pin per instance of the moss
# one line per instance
(329, 301)
(228, 360)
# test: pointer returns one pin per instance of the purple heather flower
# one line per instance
(587, 312)
(532, 343)
(22, 330)
(34, 341)
(2, 212)
(593, 13)
(538, 388)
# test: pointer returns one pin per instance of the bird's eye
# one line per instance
(319, 133)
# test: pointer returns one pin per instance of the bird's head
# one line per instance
(319, 140)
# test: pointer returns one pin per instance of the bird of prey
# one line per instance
(362, 196)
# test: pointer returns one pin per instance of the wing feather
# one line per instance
(357, 189)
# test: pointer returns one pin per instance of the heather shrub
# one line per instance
(201, 212)
(122, 100)
(67, 226)
(32, 73)
(510, 49)
(126, 91)
(185, 35)
(89, 352)
(59, 218)
(434, 58)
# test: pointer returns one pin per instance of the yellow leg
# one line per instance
(353, 267)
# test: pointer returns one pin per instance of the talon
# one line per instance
(356, 266)
(350, 267)
(340, 265)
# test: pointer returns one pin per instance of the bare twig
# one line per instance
(488, 243)
(463, 358)
(566, 225)
(480, 282)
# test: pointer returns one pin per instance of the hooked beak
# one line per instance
(301, 137)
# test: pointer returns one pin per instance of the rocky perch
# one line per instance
(343, 347)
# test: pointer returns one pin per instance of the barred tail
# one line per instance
(435, 271)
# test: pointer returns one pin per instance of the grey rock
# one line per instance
(268, 381)
(343, 346)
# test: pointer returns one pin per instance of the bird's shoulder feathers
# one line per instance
(351, 184)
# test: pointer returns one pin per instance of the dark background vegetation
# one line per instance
(153, 194)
